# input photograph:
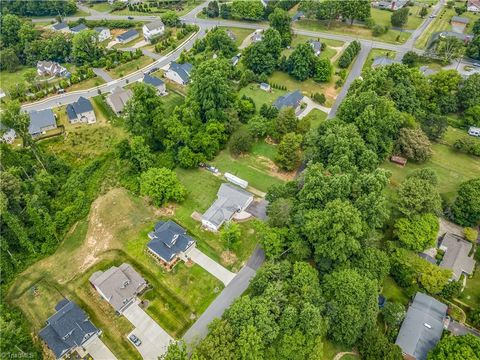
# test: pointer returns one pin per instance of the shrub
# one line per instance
(241, 142)
(319, 98)
(349, 54)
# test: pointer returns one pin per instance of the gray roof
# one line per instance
(380, 61)
(60, 26)
(316, 45)
(422, 327)
(292, 99)
(41, 119)
(460, 19)
(168, 239)
(230, 199)
(68, 328)
(100, 29)
(79, 28)
(456, 256)
(119, 284)
(154, 25)
(127, 35)
(183, 70)
(79, 107)
(118, 98)
(152, 80)
(298, 15)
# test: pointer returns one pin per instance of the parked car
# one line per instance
(212, 169)
(130, 17)
(60, 91)
(135, 340)
(152, 70)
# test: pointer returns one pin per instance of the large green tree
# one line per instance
(466, 207)
(456, 348)
(281, 21)
(85, 47)
(161, 185)
(418, 196)
(288, 152)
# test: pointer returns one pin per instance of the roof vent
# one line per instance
(427, 325)
(175, 237)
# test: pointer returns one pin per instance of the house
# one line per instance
(230, 200)
(235, 60)
(257, 36)
(118, 98)
(51, 68)
(474, 131)
(153, 30)
(426, 71)
(180, 73)
(422, 328)
(392, 5)
(265, 87)
(8, 135)
(456, 256)
(68, 329)
(473, 6)
(444, 34)
(292, 99)
(103, 33)
(61, 26)
(127, 36)
(169, 243)
(118, 285)
(231, 35)
(459, 23)
(298, 16)
(81, 111)
(78, 28)
(41, 121)
(381, 61)
(316, 46)
(155, 82)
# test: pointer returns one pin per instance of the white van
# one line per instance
(474, 131)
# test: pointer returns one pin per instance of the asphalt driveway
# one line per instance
(98, 350)
(154, 339)
(211, 266)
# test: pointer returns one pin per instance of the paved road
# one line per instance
(235, 289)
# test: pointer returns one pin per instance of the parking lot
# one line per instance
(154, 339)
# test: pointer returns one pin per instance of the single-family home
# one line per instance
(153, 30)
(51, 68)
(81, 111)
(230, 200)
(422, 327)
(118, 98)
(231, 35)
(292, 99)
(459, 23)
(298, 16)
(257, 36)
(155, 82)
(127, 36)
(180, 73)
(61, 26)
(456, 256)
(169, 243)
(8, 135)
(473, 6)
(381, 61)
(474, 131)
(41, 121)
(68, 329)
(265, 87)
(316, 46)
(119, 285)
(78, 28)
(103, 33)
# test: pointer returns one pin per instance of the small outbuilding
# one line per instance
(265, 87)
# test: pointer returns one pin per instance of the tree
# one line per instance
(456, 347)
(170, 18)
(400, 17)
(161, 185)
(323, 71)
(177, 350)
(444, 86)
(250, 344)
(470, 234)
(241, 142)
(355, 9)
(449, 48)
(85, 47)
(262, 57)
(434, 126)
(372, 263)
(466, 207)
(373, 345)
(285, 122)
(472, 115)
(417, 196)
(218, 41)
(469, 92)
(258, 126)
(11, 25)
(212, 9)
(393, 314)
(423, 12)
(288, 153)
(279, 212)
(230, 234)
(418, 232)
(247, 10)
(139, 153)
(414, 145)
(8, 60)
(335, 231)
(281, 21)
(452, 290)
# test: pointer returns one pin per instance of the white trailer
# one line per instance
(236, 180)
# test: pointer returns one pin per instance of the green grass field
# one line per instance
(375, 53)
(316, 117)
(240, 33)
(261, 97)
(129, 67)
(471, 294)
(382, 17)
(328, 53)
(104, 7)
(393, 292)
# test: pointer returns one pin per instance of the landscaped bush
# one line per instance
(349, 54)
(379, 30)
(468, 145)
(319, 98)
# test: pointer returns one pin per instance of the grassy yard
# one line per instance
(129, 67)
(393, 292)
(102, 7)
(240, 33)
(328, 53)
(452, 167)
(440, 23)
(330, 349)
(10, 79)
(375, 53)
(316, 117)
(171, 101)
(471, 294)
(382, 17)
(259, 96)
(86, 84)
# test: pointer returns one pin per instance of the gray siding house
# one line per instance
(41, 121)
(180, 73)
(118, 98)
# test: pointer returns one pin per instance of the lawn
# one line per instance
(129, 67)
(471, 294)
(259, 96)
(86, 84)
(393, 292)
(452, 168)
(376, 53)
(104, 7)
(440, 23)
(316, 117)
(382, 17)
(10, 79)
(240, 34)
(171, 101)
(330, 349)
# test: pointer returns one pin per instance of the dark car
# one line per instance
(135, 340)
(130, 17)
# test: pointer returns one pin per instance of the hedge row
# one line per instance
(349, 54)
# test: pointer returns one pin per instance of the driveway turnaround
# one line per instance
(154, 339)
(211, 266)
(98, 350)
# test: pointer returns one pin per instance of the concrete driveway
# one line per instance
(98, 350)
(211, 266)
(154, 339)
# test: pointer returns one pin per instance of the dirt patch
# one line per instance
(196, 216)
(168, 210)
(228, 258)
(273, 169)
(270, 141)
(331, 92)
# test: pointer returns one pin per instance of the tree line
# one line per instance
(38, 8)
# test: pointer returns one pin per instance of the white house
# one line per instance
(103, 33)
(153, 29)
(81, 111)
(51, 68)
(179, 73)
(473, 6)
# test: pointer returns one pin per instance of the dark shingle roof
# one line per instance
(152, 80)
(292, 99)
(68, 328)
(169, 239)
(79, 28)
(127, 35)
(183, 70)
(76, 109)
(60, 26)
(39, 120)
(298, 15)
